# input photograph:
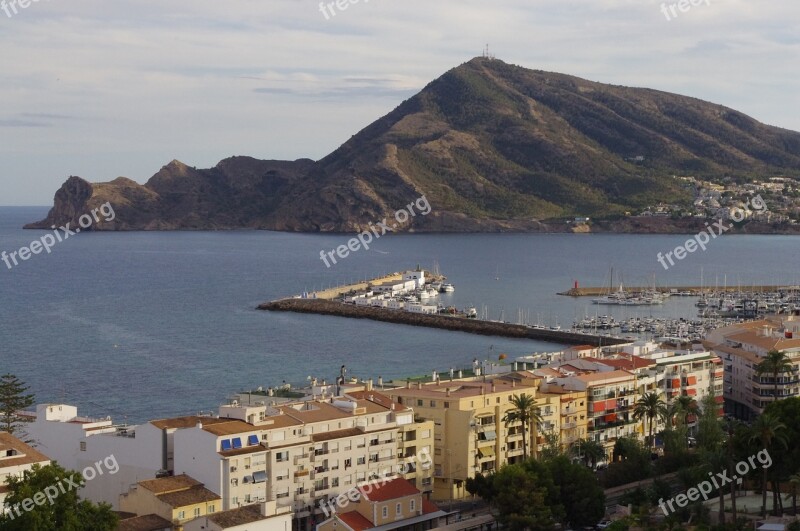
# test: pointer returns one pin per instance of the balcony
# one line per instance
(300, 473)
(569, 425)
(299, 458)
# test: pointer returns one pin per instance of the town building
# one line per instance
(742, 347)
(391, 505)
(176, 499)
(16, 458)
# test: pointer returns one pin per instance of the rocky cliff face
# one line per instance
(492, 147)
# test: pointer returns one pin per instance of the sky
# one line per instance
(108, 88)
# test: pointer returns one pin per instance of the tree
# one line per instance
(775, 363)
(767, 430)
(650, 406)
(589, 450)
(519, 499)
(526, 413)
(66, 512)
(709, 426)
(578, 491)
(537, 493)
(13, 398)
(684, 406)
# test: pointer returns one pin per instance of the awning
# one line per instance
(486, 452)
(691, 392)
(676, 382)
(611, 417)
(691, 380)
(252, 440)
(237, 443)
(226, 445)
(599, 406)
(259, 477)
(490, 435)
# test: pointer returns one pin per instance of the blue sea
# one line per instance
(146, 325)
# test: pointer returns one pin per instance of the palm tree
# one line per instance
(526, 413)
(684, 406)
(650, 406)
(713, 461)
(589, 450)
(774, 363)
(767, 429)
(794, 483)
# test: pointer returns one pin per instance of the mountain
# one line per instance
(492, 146)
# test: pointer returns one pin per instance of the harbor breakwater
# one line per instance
(444, 322)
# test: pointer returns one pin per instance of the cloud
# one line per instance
(140, 83)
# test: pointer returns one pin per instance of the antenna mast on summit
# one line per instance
(486, 54)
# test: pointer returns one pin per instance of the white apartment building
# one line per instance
(77, 442)
(742, 347)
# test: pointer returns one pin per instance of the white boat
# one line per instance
(447, 288)
(471, 312)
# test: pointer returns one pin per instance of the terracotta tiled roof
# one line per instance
(429, 507)
(235, 517)
(376, 398)
(390, 490)
(610, 375)
(148, 522)
(230, 427)
(185, 422)
(169, 484)
(191, 496)
(355, 521)
(339, 434)
(27, 454)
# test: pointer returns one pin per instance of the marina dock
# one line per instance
(444, 322)
(695, 290)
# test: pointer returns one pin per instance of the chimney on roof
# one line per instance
(483, 390)
(447, 393)
(513, 383)
(408, 383)
(419, 385)
(199, 424)
(369, 385)
(494, 387)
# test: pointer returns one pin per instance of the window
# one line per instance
(211, 509)
(385, 512)
(236, 500)
(398, 510)
(261, 476)
(182, 515)
(447, 405)
(196, 512)
(361, 461)
(83, 446)
(282, 456)
(237, 443)
(412, 505)
(419, 403)
(252, 440)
